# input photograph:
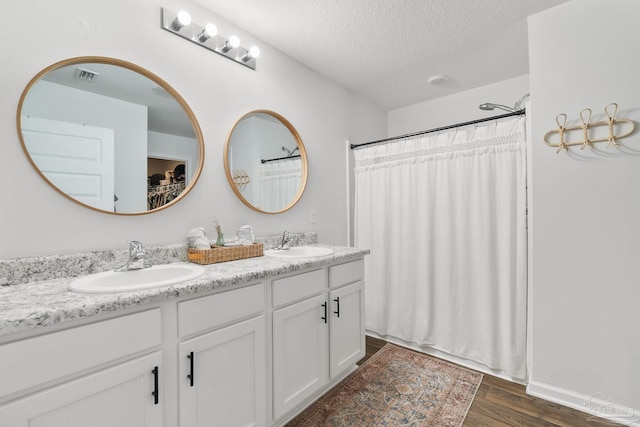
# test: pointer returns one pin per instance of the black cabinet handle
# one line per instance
(337, 300)
(324, 304)
(156, 391)
(190, 376)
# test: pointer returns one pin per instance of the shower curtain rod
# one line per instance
(473, 122)
(279, 158)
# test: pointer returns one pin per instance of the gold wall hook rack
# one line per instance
(585, 126)
(241, 178)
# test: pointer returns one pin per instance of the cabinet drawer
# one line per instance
(45, 358)
(343, 274)
(297, 287)
(216, 310)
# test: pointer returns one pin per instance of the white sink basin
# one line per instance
(300, 252)
(135, 280)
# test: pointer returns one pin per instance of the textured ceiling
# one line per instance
(386, 50)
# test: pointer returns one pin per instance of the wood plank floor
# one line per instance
(502, 403)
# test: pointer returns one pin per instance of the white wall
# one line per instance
(34, 219)
(461, 107)
(585, 208)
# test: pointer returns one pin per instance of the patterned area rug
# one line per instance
(396, 387)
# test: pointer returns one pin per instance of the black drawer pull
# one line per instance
(324, 304)
(190, 376)
(337, 300)
(156, 391)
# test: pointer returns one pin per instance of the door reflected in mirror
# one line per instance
(266, 162)
(91, 127)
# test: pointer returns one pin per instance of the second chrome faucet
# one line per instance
(285, 243)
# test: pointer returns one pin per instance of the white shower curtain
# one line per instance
(444, 216)
(279, 183)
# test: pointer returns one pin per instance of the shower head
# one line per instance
(487, 106)
(289, 152)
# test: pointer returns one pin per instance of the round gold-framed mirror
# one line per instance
(265, 162)
(110, 135)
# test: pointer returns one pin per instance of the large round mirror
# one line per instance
(110, 135)
(265, 162)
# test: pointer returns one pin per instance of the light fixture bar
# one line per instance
(197, 34)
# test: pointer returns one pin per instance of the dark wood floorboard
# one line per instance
(501, 403)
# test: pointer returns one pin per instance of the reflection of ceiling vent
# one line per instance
(86, 75)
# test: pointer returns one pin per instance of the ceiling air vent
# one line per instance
(86, 75)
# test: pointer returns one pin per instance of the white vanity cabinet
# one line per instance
(222, 369)
(67, 385)
(253, 353)
(318, 332)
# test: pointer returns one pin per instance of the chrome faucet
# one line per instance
(137, 258)
(286, 241)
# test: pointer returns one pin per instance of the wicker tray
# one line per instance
(224, 253)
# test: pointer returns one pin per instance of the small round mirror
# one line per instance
(110, 135)
(265, 162)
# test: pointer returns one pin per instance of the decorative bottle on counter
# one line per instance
(220, 240)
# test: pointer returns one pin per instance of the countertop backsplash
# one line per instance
(16, 271)
(297, 239)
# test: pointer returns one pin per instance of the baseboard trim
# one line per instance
(597, 405)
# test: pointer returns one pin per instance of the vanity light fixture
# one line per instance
(181, 25)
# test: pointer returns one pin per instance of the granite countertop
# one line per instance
(33, 305)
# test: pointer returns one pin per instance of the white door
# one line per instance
(120, 396)
(347, 327)
(77, 159)
(223, 377)
(300, 352)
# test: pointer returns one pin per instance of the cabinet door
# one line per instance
(223, 377)
(300, 352)
(347, 327)
(118, 396)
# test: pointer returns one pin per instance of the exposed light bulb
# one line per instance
(254, 51)
(184, 18)
(209, 31)
(181, 20)
(232, 43)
